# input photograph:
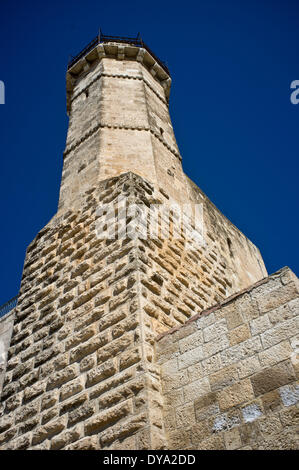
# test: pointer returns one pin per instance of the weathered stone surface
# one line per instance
(5, 423)
(277, 353)
(239, 334)
(247, 348)
(21, 443)
(194, 389)
(252, 412)
(271, 401)
(87, 443)
(272, 378)
(248, 366)
(277, 297)
(216, 330)
(102, 372)
(81, 414)
(27, 412)
(88, 348)
(6, 329)
(190, 357)
(111, 416)
(81, 337)
(72, 388)
(49, 399)
(130, 357)
(249, 380)
(232, 439)
(223, 378)
(279, 332)
(48, 431)
(64, 438)
(235, 394)
(34, 391)
(63, 376)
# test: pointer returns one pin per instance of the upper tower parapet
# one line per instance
(117, 47)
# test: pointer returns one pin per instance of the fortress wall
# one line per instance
(77, 374)
(230, 374)
(81, 371)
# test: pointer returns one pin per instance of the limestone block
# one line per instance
(239, 334)
(279, 352)
(248, 366)
(235, 394)
(260, 324)
(190, 357)
(232, 439)
(94, 344)
(65, 438)
(277, 297)
(241, 351)
(87, 443)
(216, 330)
(71, 388)
(102, 372)
(49, 430)
(271, 378)
(63, 376)
(101, 420)
(81, 413)
(223, 378)
(279, 332)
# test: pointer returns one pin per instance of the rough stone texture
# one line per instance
(82, 370)
(245, 394)
(6, 327)
(80, 362)
(120, 122)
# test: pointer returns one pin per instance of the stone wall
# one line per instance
(230, 374)
(6, 327)
(77, 374)
(81, 371)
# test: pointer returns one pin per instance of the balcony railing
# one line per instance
(8, 306)
(102, 38)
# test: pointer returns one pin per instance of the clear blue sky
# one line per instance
(232, 63)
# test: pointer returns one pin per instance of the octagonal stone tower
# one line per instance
(117, 100)
(82, 370)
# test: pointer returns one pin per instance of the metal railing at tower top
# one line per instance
(102, 38)
(8, 306)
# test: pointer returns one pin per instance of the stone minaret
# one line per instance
(81, 368)
(117, 100)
